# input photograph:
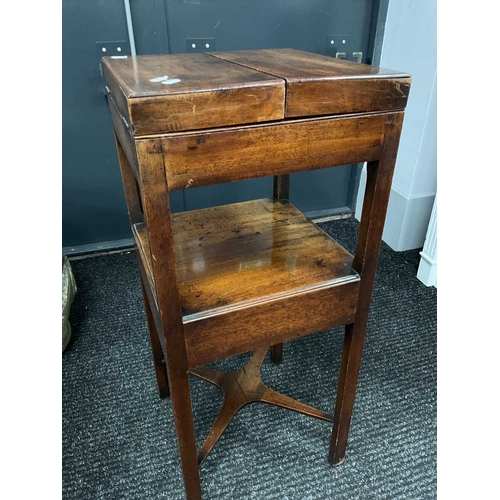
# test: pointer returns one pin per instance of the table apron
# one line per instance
(225, 155)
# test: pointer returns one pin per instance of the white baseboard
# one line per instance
(427, 269)
(407, 217)
(105, 246)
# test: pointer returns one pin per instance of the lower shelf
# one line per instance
(262, 254)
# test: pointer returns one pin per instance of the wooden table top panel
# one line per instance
(297, 65)
(195, 72)
(201, 92)
(244, 252)
(320, 85)
(185, 92)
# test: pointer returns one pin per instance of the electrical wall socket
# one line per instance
(118, 48)
(194, 45)
(339, 46)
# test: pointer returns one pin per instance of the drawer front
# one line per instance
(236, 332)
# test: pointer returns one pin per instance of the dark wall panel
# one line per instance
(256, 24)
(94, 207)
(93, 204)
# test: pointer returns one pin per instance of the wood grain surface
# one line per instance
(122, 134)
(205, 92)
(259, 259)
(242, 252)
(226, 155)
(268, 322)
(226, 280)
(155, 200)
(378, 189)
(322, 85)
(240, 388)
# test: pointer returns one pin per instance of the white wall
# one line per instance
(409, 45)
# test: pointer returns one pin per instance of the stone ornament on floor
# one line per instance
(68, 294)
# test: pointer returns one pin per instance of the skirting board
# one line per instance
(427, 269)
(407, 217)
(105, 246)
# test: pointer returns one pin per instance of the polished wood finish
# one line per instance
(230, 255)
(254, 259)
(140, 234)
(375, 203)
(158, 356)
(226, 280)
(125, 140)
(225, 155)
(154, 190)
(209, 93)
(240, 388)
(255, 249)
(261, 324)
(130, 186)
(281, 191)
(277, 353)
(321, 85)
(136, 216)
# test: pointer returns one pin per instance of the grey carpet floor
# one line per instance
(119, 438)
